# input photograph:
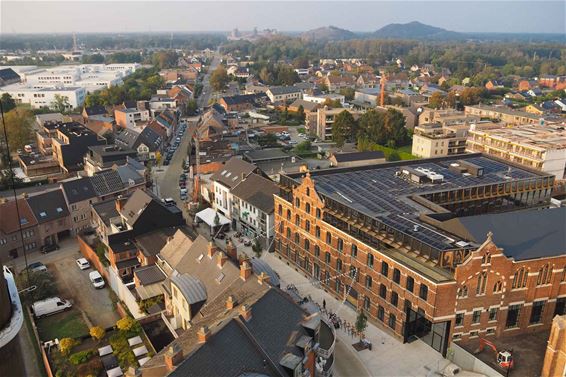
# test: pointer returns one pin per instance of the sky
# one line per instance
(509, 16)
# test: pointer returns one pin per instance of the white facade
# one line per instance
(251, 218)
(45, 97)
(323, 97)
(222, 199)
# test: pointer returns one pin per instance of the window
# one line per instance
(317, 213)
(520, 278)
(280, 209)
(513, 314)
(369, 281)
(327, 257)
(462, 292)
(423, 292)
(297, 238)
(297, 202)
(394, 299)
(289, 233)
(493, 314)
(340, 245)
(563, 277)
(354, 273)
(354, 251)
(370, 260)
(339, 265)
(328, 238)
(281, 227)
(384, 268)
(410, 284)
(382, 291)
(459, 321)
(486, 259)
(288, 215)
(476, 316)
(560, 308)
(316, 251)
(482, 281)
(380, 313)
(337, 285)
(392, 321)
(307, 245)
(317, 231)
(308, 191)
(473, 333)
(497, 287)
(297, 220)
(307, 225)
(536, 312)
(544, 275)
(367, 303)
(308, 208)
(396, 275)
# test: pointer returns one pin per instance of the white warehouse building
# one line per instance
(45, 97)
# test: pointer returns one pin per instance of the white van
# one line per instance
(50, 306)
(96, 279)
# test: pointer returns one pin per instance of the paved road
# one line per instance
(202, 101)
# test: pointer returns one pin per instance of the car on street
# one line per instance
(50, 306)
(36, 267)
(96, 279)
(169, 201)
(83, 263)
(49, 248)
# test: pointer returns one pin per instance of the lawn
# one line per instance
(69, 324)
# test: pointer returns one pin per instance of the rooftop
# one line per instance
(543, 137)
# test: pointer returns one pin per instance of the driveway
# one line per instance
(74, 283)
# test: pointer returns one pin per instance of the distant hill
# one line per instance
(414, 30)
(327, 33)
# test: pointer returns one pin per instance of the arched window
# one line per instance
(482, 281)
(308, 191)
(289, 233)
(497, 287)
(462, 291)
(544, 275)
(280, 209)
(297, 238)
(317, 231)
(288, 214)
(297, 220)
(520, 278)
(340, 245)
(297, 202)
(317, 213)
(367, 303)
(316, 250)
(308, 208)
(281, 227)
(307, 245)
(339, 265)
(307, 225)
(369, 281)
(486, 259)
(328, 238)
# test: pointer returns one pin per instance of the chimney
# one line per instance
(211, 249)
(173, 356)
(203, 334)
(263, 278)
(221, 259)
(230, 302)
(231, 250)
(246, 312)
(120, 201)
(245, 271)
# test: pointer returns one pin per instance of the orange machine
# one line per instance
(504, 358)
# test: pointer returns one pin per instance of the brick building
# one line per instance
(411, 243)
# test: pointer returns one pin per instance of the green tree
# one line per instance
(394, 124)
(8, 102)
(219, 78)
(393, 156)
(343, 127)
(371, 127)
(348, 93)
(18, 127)
(333, 103)
(436, 100)
(361, 324)
(256, 248)
(60, 103)
(301, 113)
(303, 147)
(191, 107)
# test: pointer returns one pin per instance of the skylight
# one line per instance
(228, 174)
(59, 210)
(43, 214)
(200, 258)
(220, 277)
(23, 221)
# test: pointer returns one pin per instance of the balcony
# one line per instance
(326, 340)
(328, 367)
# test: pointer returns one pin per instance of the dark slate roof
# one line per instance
(127, 138)
(95, 110)
(135, 205)
(258, 191)
(106, 210)
(358, 156)
(78, 190)
(150, 138)
(522, 235)
(8, 74)
(231, 174)
(278, 90)
(149, 275)
(151, 243)
(129, 175)
(240, 99)
(48, 206)
(267, 154)
(106, 182)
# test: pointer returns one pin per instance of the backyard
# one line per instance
(68, 324)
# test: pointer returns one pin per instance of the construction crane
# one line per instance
(504, 358)
(382, 83)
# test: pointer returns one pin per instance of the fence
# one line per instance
(467, 361)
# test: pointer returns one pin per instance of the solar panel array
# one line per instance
(106, 182)
(379, 192)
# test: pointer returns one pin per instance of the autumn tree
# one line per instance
(97, 332)
(343, 128)
(8, 102)
(436, 100)
(219, 78)
(18, 127)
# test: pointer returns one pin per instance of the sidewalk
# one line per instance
(389, 356)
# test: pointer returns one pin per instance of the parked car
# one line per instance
(169, 201)
(49, 248)
(36, 267)
(83, 264)
(50, 306)
(96, 279)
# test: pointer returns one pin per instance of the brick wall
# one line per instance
(90, 254)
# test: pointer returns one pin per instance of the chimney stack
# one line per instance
(203, 334)
(120, 201)
(246, 312)
(221, 259)
(230, 302)
(263, 278)
(173, 356)
(245, 271)
(231, 250)
(211, 249)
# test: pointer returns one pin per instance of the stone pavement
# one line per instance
(389, 356)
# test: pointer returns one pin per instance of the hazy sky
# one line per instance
(127, 16)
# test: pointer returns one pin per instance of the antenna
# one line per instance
(75, 42)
